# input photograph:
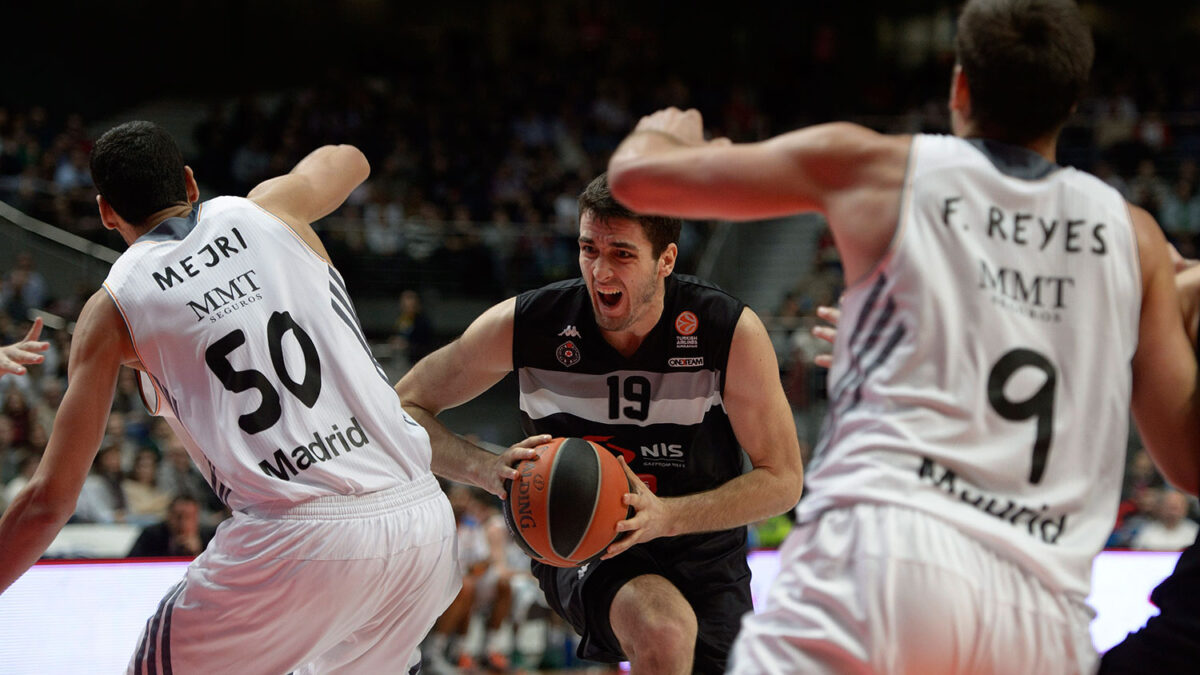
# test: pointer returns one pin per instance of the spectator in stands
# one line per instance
(29, 464)
(102, 499)
(1138, 510)
(178, 475)
(147, 503)
(413, 337)
(26, 282)
(45, 407)
(17, 410)
(1147, 189)
(1180, 216)
(180, 534)
(11, 457)
(1171, 530)
(114, 435)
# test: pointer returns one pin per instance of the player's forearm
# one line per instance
(453, 457)
(751, 497)
(28, 527)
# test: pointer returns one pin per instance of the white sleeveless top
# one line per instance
(257, 359)
(982, 371)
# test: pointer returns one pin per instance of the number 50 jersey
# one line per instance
(982, 370)
(256, 357)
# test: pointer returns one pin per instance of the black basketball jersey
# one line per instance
(660, 408)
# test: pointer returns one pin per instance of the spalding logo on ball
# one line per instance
(564, 507)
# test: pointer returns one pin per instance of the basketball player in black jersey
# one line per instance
(1169, 644)
(676, 378)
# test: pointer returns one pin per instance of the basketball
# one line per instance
(564, 507)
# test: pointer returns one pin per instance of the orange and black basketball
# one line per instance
(564, 507)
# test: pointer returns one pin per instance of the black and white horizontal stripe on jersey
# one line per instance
(675, 398)
(158, 627)
(345, 311)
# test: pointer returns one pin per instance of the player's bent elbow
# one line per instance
(1185, 481)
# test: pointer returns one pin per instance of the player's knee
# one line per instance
(665, 629)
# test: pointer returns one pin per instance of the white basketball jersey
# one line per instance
(982, 371)
(259, 362)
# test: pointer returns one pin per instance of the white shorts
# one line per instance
(884, 589)
(337, 584)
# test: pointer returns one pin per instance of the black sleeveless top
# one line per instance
(661, 407)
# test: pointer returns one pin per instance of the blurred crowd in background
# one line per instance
(473, 193)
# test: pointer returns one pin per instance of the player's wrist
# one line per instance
(663, 135)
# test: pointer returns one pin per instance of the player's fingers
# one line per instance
(824, 360)
(20, 354)
(635, 483)
(532, 441)
(7, 365)
(621, 545)
(824, 333)
(722, 141)
(35, 330)
(830, 314)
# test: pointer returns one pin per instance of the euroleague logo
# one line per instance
(686, 324)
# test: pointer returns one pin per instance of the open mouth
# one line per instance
(609, 299)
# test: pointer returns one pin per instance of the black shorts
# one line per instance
(710, 570)
(1170, 642)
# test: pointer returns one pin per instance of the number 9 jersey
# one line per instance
(982, 370)
(253, 352)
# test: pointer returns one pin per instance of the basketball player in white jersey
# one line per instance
(340, 552)
(1001, 314)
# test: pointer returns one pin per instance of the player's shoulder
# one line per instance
(552, 297)
(685, 288)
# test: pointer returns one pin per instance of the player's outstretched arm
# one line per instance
(14, 357)
(99, 348)
(1166, 400)
(313, 189)
(762, 420)
(453, 375)
(848, 172)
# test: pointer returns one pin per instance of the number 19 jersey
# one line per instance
(982, 370)
(254, 354)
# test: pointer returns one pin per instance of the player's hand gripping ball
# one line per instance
(564, 507)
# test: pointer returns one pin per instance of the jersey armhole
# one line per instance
(291, 230)
(153, 407)
(901, 222)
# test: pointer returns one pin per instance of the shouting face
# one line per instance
(623, 276)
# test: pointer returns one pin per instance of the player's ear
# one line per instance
(960, 92)
(666, 260)
(108, 215)
(193, 190)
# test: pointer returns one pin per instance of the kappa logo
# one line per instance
(568, 354)
(570, 331)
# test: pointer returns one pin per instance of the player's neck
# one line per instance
(627, 340)
(1047, 146)
(173, 211)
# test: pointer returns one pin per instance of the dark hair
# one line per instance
(1026, 62)
(138, 169)
(597, 199)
